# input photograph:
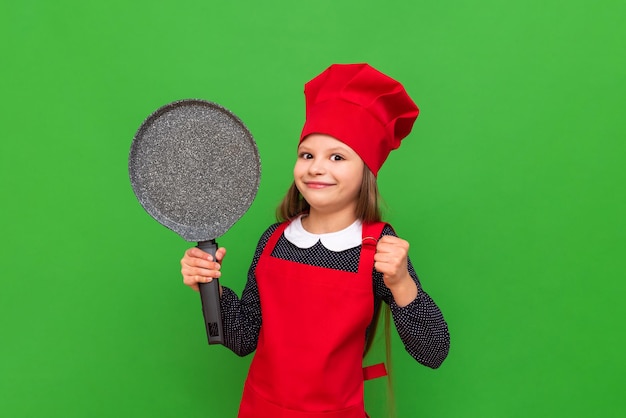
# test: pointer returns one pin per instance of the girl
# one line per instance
(319, 275)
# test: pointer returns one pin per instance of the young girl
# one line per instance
(320, 274)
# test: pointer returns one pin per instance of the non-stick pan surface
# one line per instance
(195, 168)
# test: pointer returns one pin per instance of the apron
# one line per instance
(308, 361)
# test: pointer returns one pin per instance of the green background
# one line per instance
(510, 190)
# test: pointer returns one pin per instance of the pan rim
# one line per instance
(190, 232)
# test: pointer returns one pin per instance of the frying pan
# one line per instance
(195, 168)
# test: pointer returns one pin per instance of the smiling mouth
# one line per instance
(317, 185)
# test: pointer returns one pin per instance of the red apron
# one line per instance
(308, 361)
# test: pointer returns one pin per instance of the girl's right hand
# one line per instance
(199, 266)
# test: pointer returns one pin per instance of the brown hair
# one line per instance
(367, 207)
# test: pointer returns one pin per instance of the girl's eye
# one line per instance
(336, 157)
(305, 155)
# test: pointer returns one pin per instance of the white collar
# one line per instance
(349, 237)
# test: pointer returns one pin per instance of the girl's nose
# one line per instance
(317, 167)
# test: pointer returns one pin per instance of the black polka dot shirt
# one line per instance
(420, 324)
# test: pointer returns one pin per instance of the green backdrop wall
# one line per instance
(510, 190)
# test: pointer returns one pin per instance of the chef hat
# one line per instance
(362, 107)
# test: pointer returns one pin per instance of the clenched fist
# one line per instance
(391, 259)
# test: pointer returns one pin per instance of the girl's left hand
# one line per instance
(391, 260)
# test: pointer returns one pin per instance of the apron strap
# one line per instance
(370, 236)
(374, 371)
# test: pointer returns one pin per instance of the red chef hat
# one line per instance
(362, 107)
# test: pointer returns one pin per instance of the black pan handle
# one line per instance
(210, 297)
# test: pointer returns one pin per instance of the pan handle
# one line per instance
(210, 297)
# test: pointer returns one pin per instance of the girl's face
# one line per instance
(328, 174)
